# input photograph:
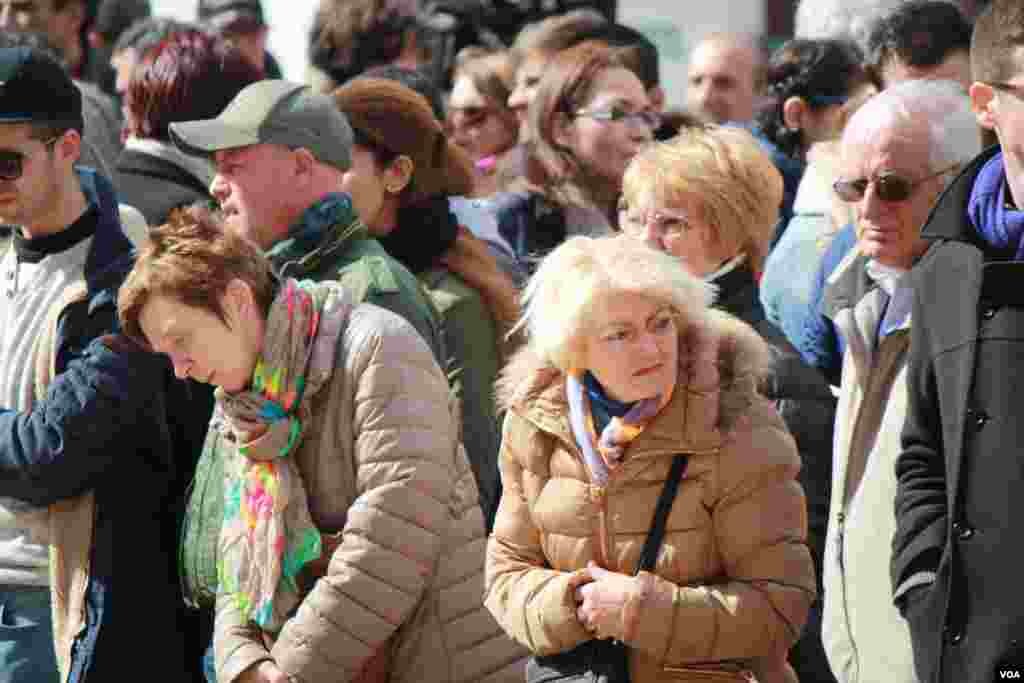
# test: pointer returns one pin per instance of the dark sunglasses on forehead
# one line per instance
(12, 162)
(890, 187)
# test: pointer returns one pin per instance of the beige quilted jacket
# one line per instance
(382, 465)
(734, 579)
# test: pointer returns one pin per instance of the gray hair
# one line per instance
(841, 19)
(940, 109)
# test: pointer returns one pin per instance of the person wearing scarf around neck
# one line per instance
(625, 366)
(954, 568)
(404, 172)
(709, 197)
(334, 423)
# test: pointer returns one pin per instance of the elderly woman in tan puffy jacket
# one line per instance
(625, 367)
(352, 545)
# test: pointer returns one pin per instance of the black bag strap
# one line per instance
(649, 554)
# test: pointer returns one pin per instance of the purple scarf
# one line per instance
(1000, 226)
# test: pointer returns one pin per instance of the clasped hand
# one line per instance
(600, 600)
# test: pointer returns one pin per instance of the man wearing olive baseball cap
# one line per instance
(281, 152)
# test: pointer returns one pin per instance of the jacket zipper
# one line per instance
(603, 549)
(841, 521)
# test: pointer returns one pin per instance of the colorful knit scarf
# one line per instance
(268, 534)
(606, 452)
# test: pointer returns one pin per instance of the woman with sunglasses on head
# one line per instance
(479, 118)
(708, 197)
(588, 118)
(632, 394)
(815, 86)
(404, 171)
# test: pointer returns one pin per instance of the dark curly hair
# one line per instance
(822, 72)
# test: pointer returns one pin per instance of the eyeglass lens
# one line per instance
(890, 188)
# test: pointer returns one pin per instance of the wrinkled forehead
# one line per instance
(722, 57)
(880, 140)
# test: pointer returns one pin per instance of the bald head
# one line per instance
(723, 77)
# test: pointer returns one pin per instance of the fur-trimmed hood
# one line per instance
(722, 362)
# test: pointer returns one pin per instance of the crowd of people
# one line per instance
(505, 372)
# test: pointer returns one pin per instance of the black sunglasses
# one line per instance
(890, 187)
(12, 162)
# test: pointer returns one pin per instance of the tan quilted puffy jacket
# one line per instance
(734, 576)
(382, 465)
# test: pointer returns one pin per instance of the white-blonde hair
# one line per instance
(582, 272)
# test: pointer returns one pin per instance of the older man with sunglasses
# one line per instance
(897, 153)
(956, 568)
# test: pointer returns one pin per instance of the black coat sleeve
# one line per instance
(921, 503)
(106, 405)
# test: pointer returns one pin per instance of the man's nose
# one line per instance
(219, 188)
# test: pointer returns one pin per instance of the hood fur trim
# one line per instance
(742, 361)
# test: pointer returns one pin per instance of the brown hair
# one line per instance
(189, 76)
(997, 44)
(493, 75)
(393, 120)
(566, 86)
(192, 259)
(558, 32)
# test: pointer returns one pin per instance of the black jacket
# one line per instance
(959, 508)
(154, 186)
(802, 397)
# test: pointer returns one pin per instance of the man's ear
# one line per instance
(69, 147)
(983, 101)
(305, 163)
(794, 109)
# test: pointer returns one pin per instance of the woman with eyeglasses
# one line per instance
(589, 117)
(709, 197)
(479, 118)
(631, 394)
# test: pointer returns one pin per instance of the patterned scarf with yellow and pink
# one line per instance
(268, 534)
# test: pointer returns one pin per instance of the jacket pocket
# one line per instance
(923, 613)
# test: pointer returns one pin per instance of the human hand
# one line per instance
(263, 672)
(601, 602)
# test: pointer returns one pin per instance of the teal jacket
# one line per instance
(329, 242)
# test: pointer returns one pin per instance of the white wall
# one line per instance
(676, 25)
(289, 21)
